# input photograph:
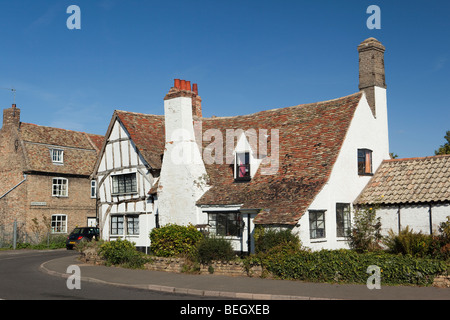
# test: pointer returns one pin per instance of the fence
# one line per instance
(14, 235)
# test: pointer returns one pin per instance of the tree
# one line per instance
(445, 149)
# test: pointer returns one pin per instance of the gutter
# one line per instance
(12, 189)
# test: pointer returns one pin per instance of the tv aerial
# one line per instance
(14, 93)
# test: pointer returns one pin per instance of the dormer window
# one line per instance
(242, 167)
(364, 162)
(57, 156)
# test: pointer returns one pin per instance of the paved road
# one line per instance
(20, 279)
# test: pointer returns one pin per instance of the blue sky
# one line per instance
(246, 56)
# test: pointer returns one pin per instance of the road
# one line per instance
(21, 279)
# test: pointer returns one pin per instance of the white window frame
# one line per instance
(59, 223)
(57, 156)
(93, 189)
(60, 188)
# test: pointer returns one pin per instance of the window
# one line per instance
(59, 223)
(124, 183)
(125, 225)
(57, 156)
(226, 224)
(317, 224)
(117, 225)
(242, 166)
(60, 187)
(93, 189)
(342, 219)
(132, 225)
(364, 162)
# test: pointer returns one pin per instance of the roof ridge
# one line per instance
(38, 125)
(138, 113)
(418, 158)
(295, 106)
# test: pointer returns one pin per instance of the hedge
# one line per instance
(347, 266)
(173, 240)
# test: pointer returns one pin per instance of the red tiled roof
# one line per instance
(148, 134)
(411, 180)
(80, 149)
(310, 138)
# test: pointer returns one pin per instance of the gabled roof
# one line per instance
(148, 134)
(310, 138)
(411, 180)
(146, 131)
(80, 149)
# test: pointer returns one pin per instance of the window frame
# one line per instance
(115, 184)
(57, 156)
(363, 162)
(93, 189)
(120, 225)
(238, 166)
(313, 224)
(59, 223)
(232, 223)
(59, 189)
(343, 224)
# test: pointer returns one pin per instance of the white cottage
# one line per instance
(299, 167)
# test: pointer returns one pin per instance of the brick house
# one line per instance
(45, 175)
(299, 167)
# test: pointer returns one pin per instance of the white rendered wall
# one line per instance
(344, 185)
(183, 174)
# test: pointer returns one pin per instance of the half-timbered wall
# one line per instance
(121, 157)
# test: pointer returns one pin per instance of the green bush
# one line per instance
(409, 242)
(122, 252)
(347, 266)
(266, 239)
(214, 248)
(173, 240)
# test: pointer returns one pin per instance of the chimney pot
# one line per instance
(177, 83)
(195, 88)
(188, 85)
(183, 85)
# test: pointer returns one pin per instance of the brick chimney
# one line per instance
(11, 117)
(182, 88)
(371, 69)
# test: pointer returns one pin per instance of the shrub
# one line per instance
(408, 242)
(365, 234)
(173, 240)
(266, 239)
(122, 252)
(347, 266)
(214, 248)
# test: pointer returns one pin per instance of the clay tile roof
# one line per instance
(412, 180)
(148, 134)
(310, 138)
(80, 149)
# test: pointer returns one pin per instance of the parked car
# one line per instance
(82, 234)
